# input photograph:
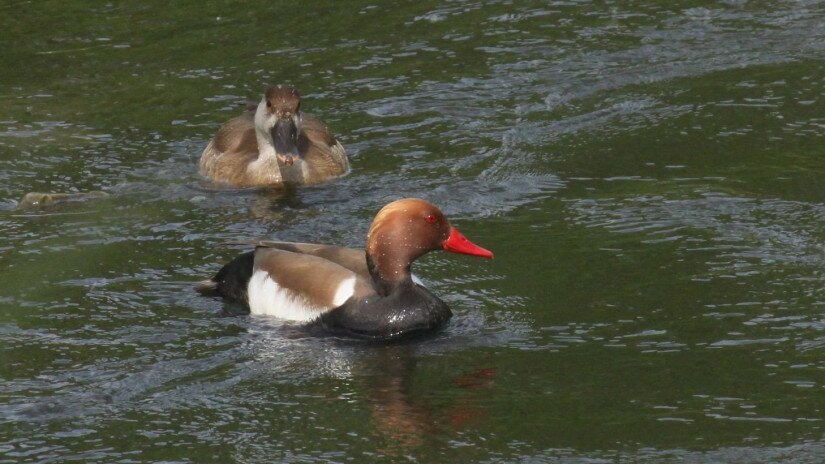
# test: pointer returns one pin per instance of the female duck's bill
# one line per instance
(276, 145)
(369, 293)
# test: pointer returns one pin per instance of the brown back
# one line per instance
(313, 278)
(231, 150)
(325, 157)
(350, 258)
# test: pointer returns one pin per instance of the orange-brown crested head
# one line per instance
(406, 229)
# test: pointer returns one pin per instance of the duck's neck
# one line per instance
(267, 161)
(388, 274)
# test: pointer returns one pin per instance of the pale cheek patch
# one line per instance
(268, 298)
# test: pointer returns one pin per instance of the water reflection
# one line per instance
(403, 418)
(397, 418)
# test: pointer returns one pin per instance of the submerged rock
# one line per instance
(33, 200)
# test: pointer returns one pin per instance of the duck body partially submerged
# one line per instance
(369, 293)
(276, 145)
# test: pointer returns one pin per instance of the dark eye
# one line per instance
(268, 104)
(431, 219)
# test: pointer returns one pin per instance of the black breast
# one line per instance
(408, 310)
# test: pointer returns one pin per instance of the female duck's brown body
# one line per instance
(368, 292)
(274, 146)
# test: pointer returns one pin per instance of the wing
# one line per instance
(349, 258)
(237, 135)
(300, 287)
(316, 131)
(231, 150)
(324, 155)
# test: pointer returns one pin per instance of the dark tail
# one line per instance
(231, 281)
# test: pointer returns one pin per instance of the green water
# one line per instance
(648, 175)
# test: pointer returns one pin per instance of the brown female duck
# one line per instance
(274, 146)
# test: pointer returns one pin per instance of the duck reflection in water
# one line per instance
(402, 418)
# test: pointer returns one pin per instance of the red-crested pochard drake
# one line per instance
(274, 146)
(369, 293)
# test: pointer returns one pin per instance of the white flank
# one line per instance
(268, 298)
(345, 290)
